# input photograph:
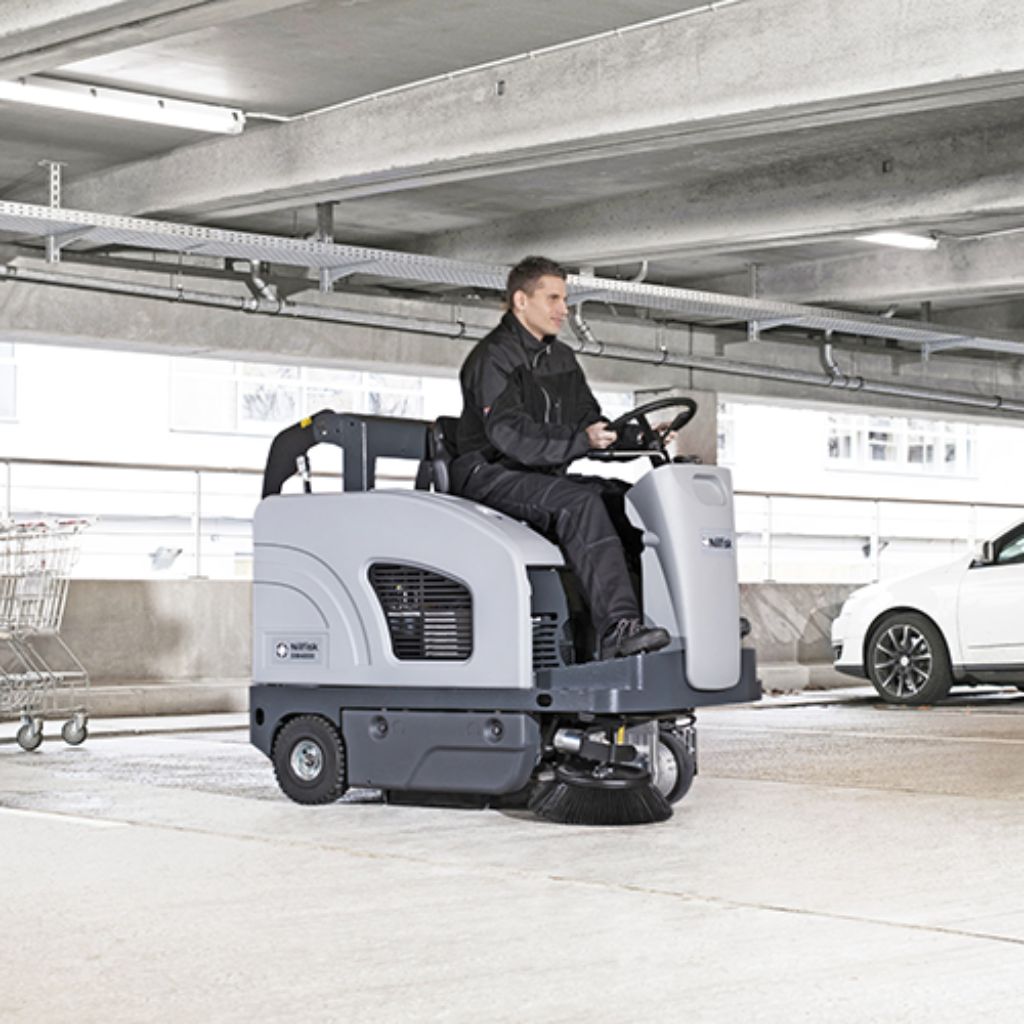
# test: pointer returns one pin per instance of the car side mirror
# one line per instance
(988, 553)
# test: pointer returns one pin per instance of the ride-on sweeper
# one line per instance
(424, 645)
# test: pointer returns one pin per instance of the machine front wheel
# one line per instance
(677, 765)
(309, 760)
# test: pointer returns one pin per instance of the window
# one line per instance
(900, 444)
(726, 434)
(8, 383)
(1011, 548)
(262, 398)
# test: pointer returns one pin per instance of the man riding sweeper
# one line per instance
(438, 649)
(527, 414)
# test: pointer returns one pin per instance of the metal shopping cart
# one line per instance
(39, 674)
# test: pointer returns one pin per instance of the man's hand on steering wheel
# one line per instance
(665, 432)
(636, 432)
(600, 436)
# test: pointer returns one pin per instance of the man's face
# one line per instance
(543, 311)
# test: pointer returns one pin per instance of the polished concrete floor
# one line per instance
(836, 860)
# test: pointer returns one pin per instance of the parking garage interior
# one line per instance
(776, 209)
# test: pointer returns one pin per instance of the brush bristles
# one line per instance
(568, 804)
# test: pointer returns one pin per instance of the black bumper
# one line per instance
(652, 685)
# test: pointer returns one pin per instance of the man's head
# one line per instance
(536, 295)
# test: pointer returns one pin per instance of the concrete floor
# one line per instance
(835, 861)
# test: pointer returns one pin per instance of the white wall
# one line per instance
(784, 448)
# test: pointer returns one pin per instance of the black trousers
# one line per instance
(586, 517)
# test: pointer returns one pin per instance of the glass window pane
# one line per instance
(267, 403)
(8, 392)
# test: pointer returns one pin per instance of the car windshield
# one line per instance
(1012, 547)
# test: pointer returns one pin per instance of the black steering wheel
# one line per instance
(643, 436)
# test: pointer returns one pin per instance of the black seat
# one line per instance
(441, 451)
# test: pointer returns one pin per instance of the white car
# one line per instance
(961, 623)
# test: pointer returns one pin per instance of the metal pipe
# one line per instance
(589, 344)
(252, 304)
(197, 525)
(712, 364)
(580, 327)
(569, 740)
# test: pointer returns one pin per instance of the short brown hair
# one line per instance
(527, 272)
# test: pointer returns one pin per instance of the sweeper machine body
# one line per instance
(424, 645)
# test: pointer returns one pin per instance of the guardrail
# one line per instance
(199, 518)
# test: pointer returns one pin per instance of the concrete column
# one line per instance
(700, 436)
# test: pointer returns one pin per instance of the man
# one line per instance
(527, 413)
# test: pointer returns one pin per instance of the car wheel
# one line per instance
(907, 660)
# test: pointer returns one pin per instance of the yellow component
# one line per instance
(305, 422)
(620, 736)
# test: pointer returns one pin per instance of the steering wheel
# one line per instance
(644, 437)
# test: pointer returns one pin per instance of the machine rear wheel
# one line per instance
(677, 765)
(309, 760)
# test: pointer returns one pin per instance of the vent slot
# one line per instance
(545, 640)
(429, 616)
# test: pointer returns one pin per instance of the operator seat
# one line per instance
(441, 451)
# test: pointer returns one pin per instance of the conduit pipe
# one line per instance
(252, 304)
(588, 343)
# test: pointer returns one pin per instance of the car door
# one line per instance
(991, 606)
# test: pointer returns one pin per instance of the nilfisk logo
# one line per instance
(298, 649)
(717, 542)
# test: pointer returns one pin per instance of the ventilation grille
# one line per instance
(429, 616)
(545, 641)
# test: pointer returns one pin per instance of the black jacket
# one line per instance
(526, 403)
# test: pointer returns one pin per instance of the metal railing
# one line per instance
(869, 526)
(201, 516)
(184, 509)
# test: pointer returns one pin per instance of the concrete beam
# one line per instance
(983, 267)
(41, 35)
(910, 185)
(736, 71)
(41, 314)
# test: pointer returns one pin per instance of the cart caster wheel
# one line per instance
(74, 731)
(30, 735)
(677, 763)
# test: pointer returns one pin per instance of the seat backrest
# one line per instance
(442, 451)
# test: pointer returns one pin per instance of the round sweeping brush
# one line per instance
(604, 794)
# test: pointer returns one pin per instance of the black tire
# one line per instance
(309, 760)
(907, 660)
(677, 765)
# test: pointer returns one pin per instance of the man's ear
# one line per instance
(518, 299)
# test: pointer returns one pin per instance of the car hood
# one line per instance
(912, 586)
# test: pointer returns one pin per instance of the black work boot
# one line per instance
(631, 636)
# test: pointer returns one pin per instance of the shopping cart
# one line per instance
(39, 674)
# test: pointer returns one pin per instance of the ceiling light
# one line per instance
(900, 240)
(133, 106)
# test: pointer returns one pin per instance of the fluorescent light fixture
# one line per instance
(900, 240)
(132, 106)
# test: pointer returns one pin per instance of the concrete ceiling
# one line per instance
(706, 139)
